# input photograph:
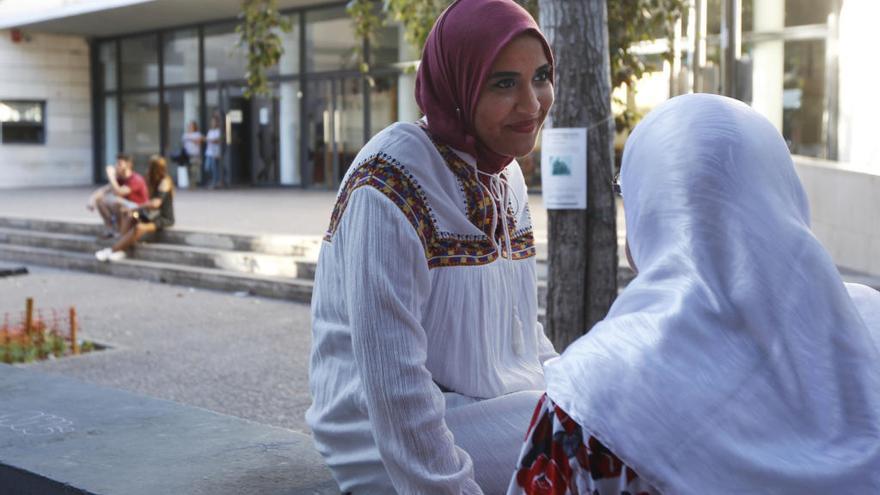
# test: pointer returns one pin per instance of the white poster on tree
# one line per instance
(564, 168)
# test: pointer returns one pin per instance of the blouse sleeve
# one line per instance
(386, 282)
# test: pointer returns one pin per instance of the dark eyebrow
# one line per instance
(499, 75)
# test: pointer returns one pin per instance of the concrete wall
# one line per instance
(55, 69)
(845, 210)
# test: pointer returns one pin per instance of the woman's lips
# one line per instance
(524, 126)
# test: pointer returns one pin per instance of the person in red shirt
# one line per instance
(126, 191)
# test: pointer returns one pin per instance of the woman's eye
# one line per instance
(542, 75)
(504, 83)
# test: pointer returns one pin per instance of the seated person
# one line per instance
(150, 216)
(123, 193)
(426, 350)
(737, 360)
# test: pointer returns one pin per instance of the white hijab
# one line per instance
(737, 361)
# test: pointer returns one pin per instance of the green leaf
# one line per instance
(264, 46)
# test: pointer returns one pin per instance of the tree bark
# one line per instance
(582, 263)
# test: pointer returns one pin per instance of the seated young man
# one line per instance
(125, 191)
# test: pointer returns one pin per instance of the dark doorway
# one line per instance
(252, 138)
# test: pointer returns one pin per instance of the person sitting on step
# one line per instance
(123, 193)
(151, 216)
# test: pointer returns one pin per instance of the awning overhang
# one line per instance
(103, 18)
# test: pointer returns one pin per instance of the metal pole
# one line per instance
(29, 316)
(832, 85)
(699, 45)
(731, 44)
(74, 343)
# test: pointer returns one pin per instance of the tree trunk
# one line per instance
(582, 243)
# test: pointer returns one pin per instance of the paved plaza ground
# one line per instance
(243, 356)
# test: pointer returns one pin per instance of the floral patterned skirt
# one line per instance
(557, 460)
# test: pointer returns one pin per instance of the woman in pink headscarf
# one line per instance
(427, 353)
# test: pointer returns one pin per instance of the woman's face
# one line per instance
(515, 98)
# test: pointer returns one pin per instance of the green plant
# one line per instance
(258, 33)
(44, 340)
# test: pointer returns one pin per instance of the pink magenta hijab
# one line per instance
(458, 56)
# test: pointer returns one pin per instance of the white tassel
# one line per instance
(517, 334)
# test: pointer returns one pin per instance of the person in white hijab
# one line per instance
(737, 361)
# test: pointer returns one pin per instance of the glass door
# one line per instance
(334, 125)
(251, 130)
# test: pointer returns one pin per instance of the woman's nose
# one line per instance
(528, 100)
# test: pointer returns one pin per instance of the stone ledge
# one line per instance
(62, 436)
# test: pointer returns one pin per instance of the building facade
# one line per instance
(806, 66)
(135, 85)
(81, 80)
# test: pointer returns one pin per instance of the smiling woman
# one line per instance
(427, 352)
(515, 100)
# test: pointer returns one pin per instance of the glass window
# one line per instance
(330, 40)
(289, 63)
(383, 103)
(182, 107)
(181, 52)
(140, 127)
(111, 134)
(107, 60)
(803, 98)
(801, 12)
(23, 122)
(390, 47)
(714, 16)
(783, 13)
(348, 122)
(224, 59)
(290, 132)
(140, 62)
(212, 101)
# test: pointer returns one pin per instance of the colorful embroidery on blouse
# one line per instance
(479, 205)
(442, 249)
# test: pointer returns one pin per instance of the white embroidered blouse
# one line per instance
(420, 287)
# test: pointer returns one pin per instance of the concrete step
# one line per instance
(291, 289)
(306, 247)
(64, 436)
(179, 254)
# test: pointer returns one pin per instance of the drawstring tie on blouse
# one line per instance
(499, 191)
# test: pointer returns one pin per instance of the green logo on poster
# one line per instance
(560, 165)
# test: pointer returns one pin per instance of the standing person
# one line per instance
(427, 351)
(737, 360)
(192, 141)
(214, 153)
(153, 215)
(124, 191)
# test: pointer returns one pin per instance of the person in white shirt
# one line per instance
(427, 350)
(737, 361)
(213, 155)
(192, 141)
